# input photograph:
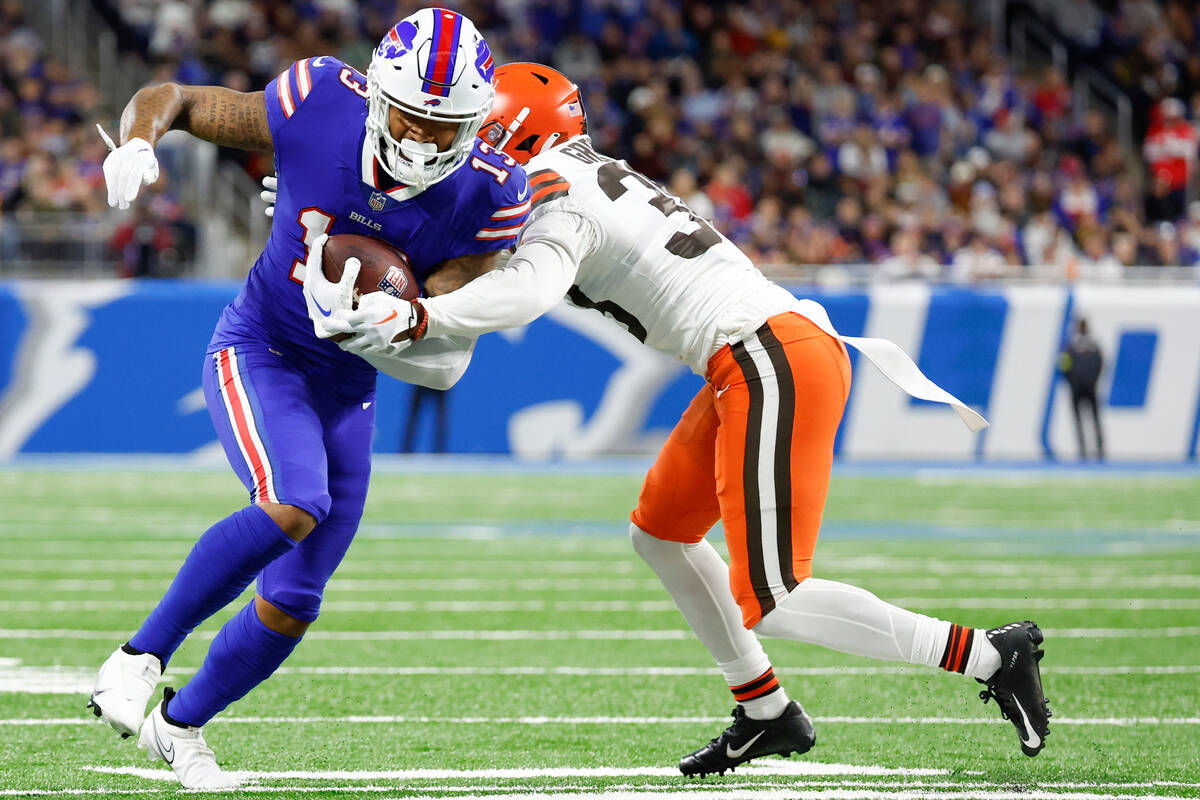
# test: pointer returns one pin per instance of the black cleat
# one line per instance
(790, 732)
(1017, 685)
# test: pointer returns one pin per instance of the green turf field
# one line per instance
(494, 636)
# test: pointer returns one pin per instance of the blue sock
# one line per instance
(219, 568)
(243, 655)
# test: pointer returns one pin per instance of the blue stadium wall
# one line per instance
(114, 367)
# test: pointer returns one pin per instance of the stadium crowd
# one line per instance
(817, 132)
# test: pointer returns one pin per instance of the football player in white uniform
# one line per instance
(753, 450)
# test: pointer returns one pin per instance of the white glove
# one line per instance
(375, 324)
(126, 168)
(321, 296)
(268, 194)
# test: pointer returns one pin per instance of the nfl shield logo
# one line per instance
(394, 282)
(377, 201)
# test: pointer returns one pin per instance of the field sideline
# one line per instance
(491, 634)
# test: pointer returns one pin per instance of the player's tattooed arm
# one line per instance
(458, 272)
(212, 113)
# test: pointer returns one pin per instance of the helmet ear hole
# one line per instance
(528, 143)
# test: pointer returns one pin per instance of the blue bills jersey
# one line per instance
(329, 182)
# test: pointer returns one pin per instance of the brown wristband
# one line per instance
(422, 321)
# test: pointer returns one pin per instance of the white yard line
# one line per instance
(623, 606)
(738, 792)
(1178, 632)
(733, 790)
(20, 679)
(602, 720)
(616, 585)
(1052, 603)
(554, 635)
(549, 564)
(799, 768)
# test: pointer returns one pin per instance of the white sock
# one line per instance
(984, 659)
(852, 620)
(698, 581)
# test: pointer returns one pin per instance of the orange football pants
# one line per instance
(755, 449)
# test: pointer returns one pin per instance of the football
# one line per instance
(384, 268)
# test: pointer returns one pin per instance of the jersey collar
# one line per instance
(378, 178)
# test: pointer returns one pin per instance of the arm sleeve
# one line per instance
(433, 363)
(535, 278)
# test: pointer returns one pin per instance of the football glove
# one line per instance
(126, 168)
(323, 297)
(269, 193)
(377, 322)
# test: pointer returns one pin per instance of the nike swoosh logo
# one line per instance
(366, 406)
(524, 192)
(388, 318)
(318, 61)
(722, 390)
(323, 311)
(729, 751)
(1036, 740)
(167, 747)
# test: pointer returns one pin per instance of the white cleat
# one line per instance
(123, 687)
(183, 749)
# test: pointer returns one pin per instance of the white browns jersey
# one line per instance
(654, 267)
(611, 240)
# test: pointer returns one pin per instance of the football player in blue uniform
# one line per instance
(392, 154)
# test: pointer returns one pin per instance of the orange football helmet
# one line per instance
(536, 108)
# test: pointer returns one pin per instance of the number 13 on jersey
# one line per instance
(314, 222)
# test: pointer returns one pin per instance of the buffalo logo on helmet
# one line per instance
(377, 201)
(399, 40)
(483, 61)
(433, 101)
(394, 282)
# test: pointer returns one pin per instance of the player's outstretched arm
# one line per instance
(433, 363)
(213, 113)
(458, 272)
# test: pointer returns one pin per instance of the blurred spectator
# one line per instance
(1170, 150)
(1045, 242)
(1010, 140)
(683, 185)
(1095, 261)
(861, 156)
(907, 262)
(977, 261)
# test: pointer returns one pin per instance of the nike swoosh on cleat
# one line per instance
(729, 751)
(168, 752)
(1036, 741)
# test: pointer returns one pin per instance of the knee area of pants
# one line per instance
(647, 544)
(294, 521)
(300, 606)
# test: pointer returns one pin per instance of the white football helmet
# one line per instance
(433, 64)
